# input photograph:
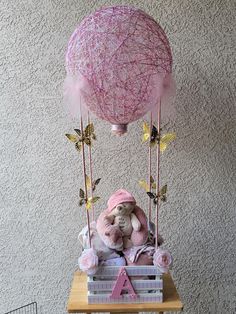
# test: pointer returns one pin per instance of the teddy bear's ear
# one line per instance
(107, 233)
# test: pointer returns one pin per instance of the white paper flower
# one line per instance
(163, 260)
(88, 261)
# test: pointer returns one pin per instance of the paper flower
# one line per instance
(163, 260)
(88, 261)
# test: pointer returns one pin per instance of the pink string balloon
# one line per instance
(118, 64)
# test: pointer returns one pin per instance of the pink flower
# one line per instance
(88, 261)
(163, 260)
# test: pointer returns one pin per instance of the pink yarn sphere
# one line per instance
(118, 65)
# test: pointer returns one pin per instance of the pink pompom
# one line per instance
(88, 261)
(163, 260)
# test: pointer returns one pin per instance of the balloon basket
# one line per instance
(126, 284)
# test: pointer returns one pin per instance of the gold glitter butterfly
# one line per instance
(145, 185)
(87, 201)
(82, 137)
(146, 132)
(161, 194)
(93, 184)
(154, 137)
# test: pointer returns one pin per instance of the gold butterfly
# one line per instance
(93, 184)
(87, 201)
(146, 132)
(145, 185)
(161, 194)
(82, 137)
(154, 137)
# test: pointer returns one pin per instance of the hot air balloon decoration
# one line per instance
(118, 65)
(119, 68)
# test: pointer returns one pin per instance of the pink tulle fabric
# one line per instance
(118, 64)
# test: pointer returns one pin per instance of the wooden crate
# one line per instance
(146, 281)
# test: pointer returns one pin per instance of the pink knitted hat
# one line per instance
(120, 196)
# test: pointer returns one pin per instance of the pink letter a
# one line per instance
(122, 283)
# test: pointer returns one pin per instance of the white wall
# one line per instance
(41, 172)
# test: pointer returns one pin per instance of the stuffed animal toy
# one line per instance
(123, 217)
(123, 224)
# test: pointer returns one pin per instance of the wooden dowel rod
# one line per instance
(150, 172)
(158, 170)
(85, 185)
(91, 173)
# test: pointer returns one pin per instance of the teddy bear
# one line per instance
(123, 217)
(123, 224)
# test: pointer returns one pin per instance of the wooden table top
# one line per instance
(77, 302)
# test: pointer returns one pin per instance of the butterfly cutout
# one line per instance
(93, 184)
(87, 201)
(154, 137)
(161, 194)
(146, 132)
(145, 185)
(82, 137)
